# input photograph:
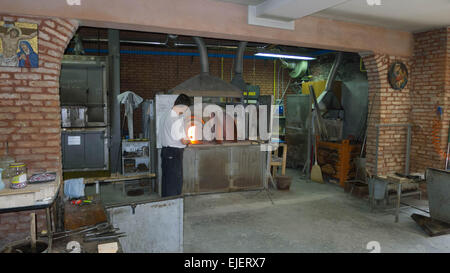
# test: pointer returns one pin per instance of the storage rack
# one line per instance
(134, 153)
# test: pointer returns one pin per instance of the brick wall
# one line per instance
(29, 110)
(15, 226)
(431, 75)
(428, 88)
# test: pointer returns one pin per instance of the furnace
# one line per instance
(217, 160)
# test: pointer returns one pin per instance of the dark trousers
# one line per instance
(172, 171)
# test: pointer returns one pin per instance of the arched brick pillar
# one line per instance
(30, 113)
(29, 98)
(389, 107)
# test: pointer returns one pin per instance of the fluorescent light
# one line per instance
(284, 56)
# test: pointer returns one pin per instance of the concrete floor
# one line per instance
(310, 217)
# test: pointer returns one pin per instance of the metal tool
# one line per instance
(322, 129)
(98, 227)
(447, 156)
(112, 230)
(104, 238)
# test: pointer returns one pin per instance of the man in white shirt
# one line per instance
(173, 141)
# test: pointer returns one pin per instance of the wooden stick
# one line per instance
(33, 232)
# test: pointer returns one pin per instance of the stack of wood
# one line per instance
(328, 160)
(336, 159)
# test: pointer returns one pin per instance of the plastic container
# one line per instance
(18, 172)
(281, 110)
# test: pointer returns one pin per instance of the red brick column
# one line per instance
(29, 99)
(389, 107)
(431, 88)
(30, 112)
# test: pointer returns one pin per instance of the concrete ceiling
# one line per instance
(406, 15)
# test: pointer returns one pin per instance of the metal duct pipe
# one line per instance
(239, 63)
(330, 80)
(333, 72)
(203, 55)
(238, 66)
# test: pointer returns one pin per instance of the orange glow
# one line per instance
(191, 133)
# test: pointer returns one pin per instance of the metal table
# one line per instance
(47, 208)
(45, 203)
(399, 194)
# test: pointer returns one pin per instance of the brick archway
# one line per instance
(29, 98)
(389, 107)
(30, 112)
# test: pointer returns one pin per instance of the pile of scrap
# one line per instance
(408, 184)
(88, 239)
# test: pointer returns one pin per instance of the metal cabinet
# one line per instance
(83, 82)
(85, 149)
(84, 111)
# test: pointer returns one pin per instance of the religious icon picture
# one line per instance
(19, 44)
(398, 75)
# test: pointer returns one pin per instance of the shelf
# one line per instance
(135, 140)
(136, 173)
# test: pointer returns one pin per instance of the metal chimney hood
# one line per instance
(204, 84)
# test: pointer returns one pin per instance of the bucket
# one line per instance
(24, 246)
(283, 182)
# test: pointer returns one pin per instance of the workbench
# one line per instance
(116, 178)
(32, 197)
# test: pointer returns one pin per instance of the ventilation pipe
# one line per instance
(329, 84)
(203, 55)
(238, 80)
(333, 72)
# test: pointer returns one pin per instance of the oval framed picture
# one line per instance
(398, 75)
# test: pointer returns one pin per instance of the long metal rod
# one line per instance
(369, 114)
(49, 229)
(376, 151)
(393, 125)
(95, 40)
(114, 90)
(408, 150)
